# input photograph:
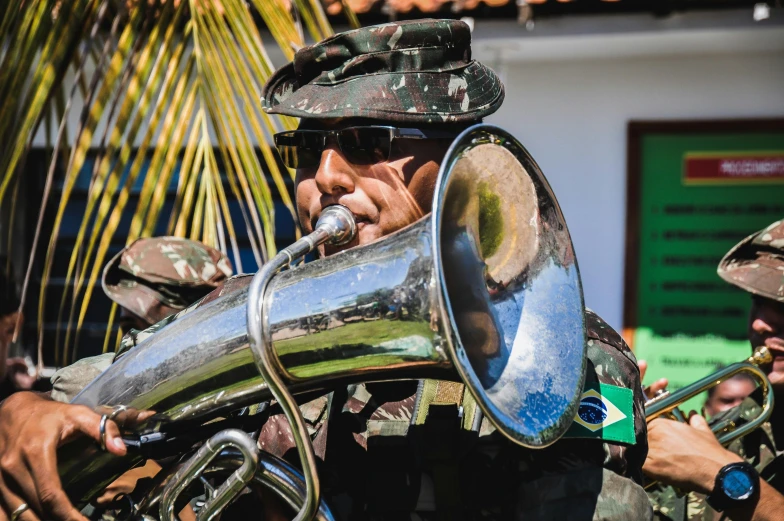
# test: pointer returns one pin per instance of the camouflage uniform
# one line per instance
(392, 449)
(756, 265)
(153, 279)
(378, 449)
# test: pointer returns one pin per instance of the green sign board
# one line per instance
(697, 195)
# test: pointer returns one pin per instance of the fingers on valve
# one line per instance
(100, 428)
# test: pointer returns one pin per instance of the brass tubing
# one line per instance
(667, 404)
(335, 226)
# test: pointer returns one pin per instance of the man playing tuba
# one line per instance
(403, 440)
(402, 450)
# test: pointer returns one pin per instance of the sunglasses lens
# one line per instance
(365, 145)
(300, 149)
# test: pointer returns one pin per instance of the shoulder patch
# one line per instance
(605, 412)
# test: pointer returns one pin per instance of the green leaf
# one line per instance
(175, 89)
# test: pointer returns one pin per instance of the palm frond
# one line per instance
(169, 95)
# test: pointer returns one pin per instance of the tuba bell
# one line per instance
(485, 290)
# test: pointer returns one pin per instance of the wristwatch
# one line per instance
(736, 485)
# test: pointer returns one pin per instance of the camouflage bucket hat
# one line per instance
(417, 71)
(155, 277)
(756, 264)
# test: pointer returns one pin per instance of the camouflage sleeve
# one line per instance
(601, 479)
(571, 479)
(69, 381)
(610, 361)
(589, 493)
(276, 436)
(668, 504)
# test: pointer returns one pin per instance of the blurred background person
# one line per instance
(728, 394)
(15, 373)
(151, 280)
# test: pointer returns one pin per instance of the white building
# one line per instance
(573, 84)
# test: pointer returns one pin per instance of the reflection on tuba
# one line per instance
(485, 290)
(666, 404)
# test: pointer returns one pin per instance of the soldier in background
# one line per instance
(688, 456)
(151, 280)
(728, 394)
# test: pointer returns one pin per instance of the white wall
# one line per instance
(571, 114)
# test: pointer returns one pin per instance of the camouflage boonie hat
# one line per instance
(155, 277)
(417, 71)
(756, 264)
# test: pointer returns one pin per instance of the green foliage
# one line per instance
(162, 85)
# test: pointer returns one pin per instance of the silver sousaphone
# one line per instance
(485, 290)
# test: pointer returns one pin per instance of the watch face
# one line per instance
(737, 484)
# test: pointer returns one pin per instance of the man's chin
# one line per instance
(327, 249)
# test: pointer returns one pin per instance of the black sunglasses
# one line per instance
(363, 145)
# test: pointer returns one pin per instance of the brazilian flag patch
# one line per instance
(605, 412)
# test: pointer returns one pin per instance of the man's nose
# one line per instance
(761, 327)
(335, 174)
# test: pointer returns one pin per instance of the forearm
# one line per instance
(768, 506)
(690, 458)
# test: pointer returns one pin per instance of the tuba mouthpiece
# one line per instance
(339, 223)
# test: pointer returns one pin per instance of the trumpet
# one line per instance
(666, 404)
